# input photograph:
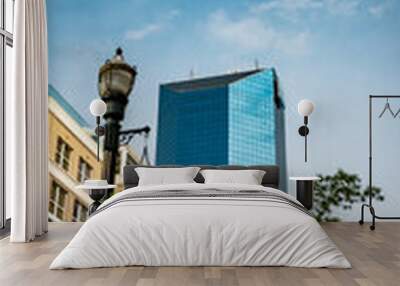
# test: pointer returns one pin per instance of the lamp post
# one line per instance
(305, 108)
(116, 80)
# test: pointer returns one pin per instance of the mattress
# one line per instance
(201, 225)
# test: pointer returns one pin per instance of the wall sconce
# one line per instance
(305, 108)
(98, 108)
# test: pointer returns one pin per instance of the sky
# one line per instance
(333, 52)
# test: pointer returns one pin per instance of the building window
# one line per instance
(84, 171)
(63, 154)
(57, 200)
(80, 212)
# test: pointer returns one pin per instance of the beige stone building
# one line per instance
(72, 159)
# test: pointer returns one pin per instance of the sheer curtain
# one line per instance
(26, 124)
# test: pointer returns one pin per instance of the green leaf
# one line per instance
(341, 190)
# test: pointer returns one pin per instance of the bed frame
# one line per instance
(270, 179)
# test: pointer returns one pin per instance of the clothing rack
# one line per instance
(369, 205)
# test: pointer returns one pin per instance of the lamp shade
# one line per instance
(98, 107)
(116, 77)
(305, 107)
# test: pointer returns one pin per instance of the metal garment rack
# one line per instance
(369, 205)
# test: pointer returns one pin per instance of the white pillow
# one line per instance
(248, 177)
(164, 176)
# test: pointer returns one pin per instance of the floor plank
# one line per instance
(375, 257)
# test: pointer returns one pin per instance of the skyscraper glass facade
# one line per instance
(234, 119)
(252, 120)
(192, 126)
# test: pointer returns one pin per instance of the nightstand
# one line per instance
(96, 189)
(304, 190)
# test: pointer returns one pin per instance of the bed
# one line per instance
(198, 224)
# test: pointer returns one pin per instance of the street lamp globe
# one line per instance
(305, 107)
(98, 107)
(116, 80)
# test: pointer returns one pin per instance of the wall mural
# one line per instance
(218, 82)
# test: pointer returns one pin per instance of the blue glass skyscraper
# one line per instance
(232, 119)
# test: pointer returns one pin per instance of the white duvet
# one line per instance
(200, 231)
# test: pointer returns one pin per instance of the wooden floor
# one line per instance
(375, 257)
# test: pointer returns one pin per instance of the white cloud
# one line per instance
(343, 7)
(291, 8)
(152, 28)
(172, 14)
(252, 34)
(286, 5)
(139, 34)
(378, 10)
